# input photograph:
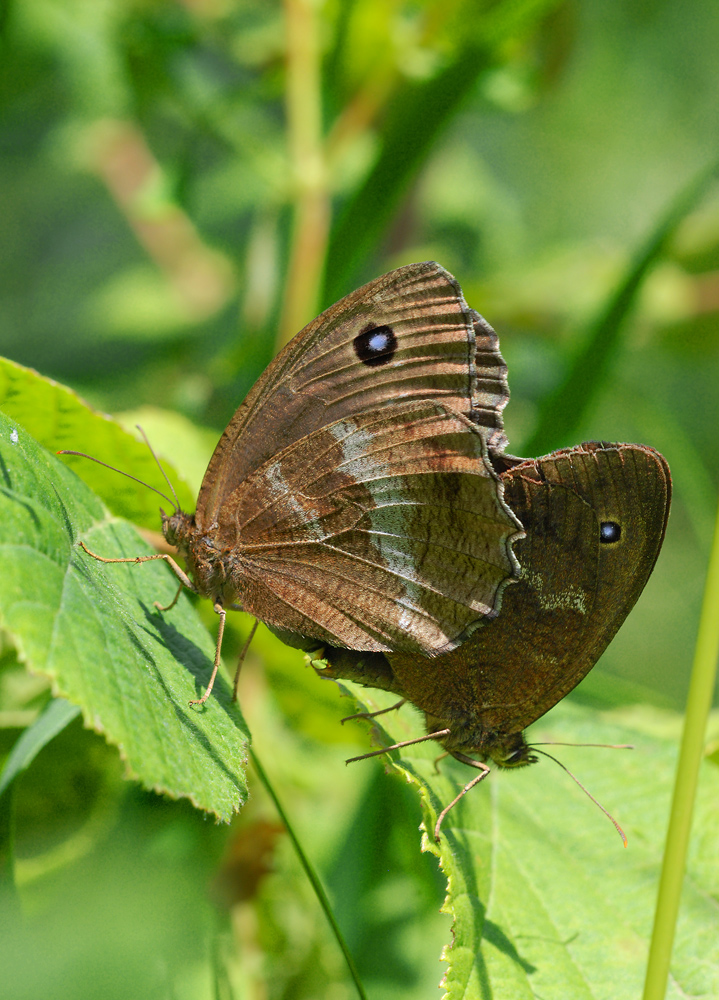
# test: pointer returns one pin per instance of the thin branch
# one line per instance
(312, 876)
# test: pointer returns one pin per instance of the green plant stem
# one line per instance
(311, 201)
(701, 689)
(312, 876)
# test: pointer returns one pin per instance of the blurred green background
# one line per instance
(182, 186)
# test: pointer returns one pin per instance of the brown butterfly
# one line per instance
(351, 500)
(594, 517)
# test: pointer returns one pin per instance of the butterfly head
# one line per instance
(467, 736)
(177, 529)
(510, 751)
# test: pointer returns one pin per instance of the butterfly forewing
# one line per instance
(409, 335)
(492, 392)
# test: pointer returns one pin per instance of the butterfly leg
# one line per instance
(438, 759)
(218, 649)
(470, 784)
(373, 715)
(173, 602)
(184, 579)
(405, 743)
(241, 659)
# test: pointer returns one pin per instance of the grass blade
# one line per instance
(416, 116)
(58, 714)
(564, 410)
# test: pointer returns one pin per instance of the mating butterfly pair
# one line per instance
(361, 500)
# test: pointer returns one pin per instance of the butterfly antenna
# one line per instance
(81, 454)
(586, 790)
(398, 746)
(159, 465)
(607, 746)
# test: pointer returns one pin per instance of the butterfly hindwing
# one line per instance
(575, 590)
(381, 531)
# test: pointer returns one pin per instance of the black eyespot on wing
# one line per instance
(375, 346)
(609, 531)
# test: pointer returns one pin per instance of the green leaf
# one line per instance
(545, 900)
(58, 418)
(93, 629)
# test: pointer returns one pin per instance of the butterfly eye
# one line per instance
(375, 346)
(609, 531)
